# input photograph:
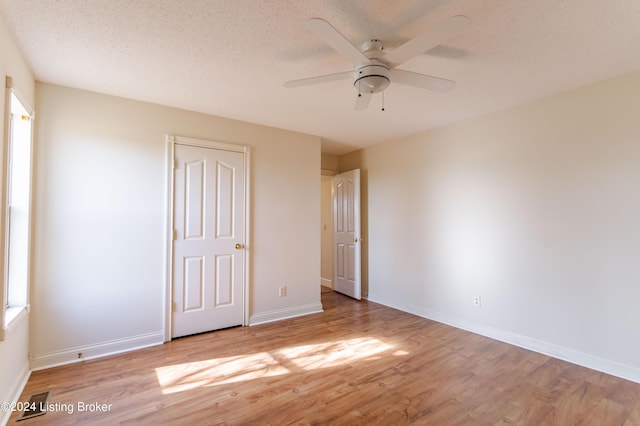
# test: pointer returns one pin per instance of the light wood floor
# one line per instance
(356, 363)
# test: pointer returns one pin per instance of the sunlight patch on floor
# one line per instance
(218, 371)
(334, 354)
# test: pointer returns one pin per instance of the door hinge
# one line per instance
(175, 234)
(175, 163)
(173, 307)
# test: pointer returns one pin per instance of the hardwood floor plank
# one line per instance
(356, 363)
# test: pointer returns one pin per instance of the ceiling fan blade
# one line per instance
(327, 33)
(421, 81)
(319, 79)
(427, 40)
(362, 101)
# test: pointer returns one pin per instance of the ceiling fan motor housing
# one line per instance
(374, 76)
(371, 78)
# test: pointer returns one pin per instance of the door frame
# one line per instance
(171, 141)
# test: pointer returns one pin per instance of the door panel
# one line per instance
(194, 199)
(347, 239)
(224, 191)
(193, 283)
(208, 269)
(224, 280)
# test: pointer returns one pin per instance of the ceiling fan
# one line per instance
(374, 69)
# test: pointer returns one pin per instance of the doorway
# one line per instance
(326, 239)
(341, 237)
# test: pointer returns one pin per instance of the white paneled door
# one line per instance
(208, 245)
(346, 233)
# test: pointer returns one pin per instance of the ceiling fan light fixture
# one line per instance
(371, 78)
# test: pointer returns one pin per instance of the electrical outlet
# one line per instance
(282, 290)
(476, 301)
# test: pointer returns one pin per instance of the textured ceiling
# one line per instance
(230, 57)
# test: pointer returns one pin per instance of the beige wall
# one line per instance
(14, 344)
(98, 270)
(329, 163)
(535, 209)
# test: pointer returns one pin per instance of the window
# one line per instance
(17, 209)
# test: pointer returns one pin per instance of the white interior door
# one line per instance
(208, 258)
(346, 233)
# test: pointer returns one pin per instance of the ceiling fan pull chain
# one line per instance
(382, 101)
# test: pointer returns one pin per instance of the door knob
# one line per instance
(238, 246)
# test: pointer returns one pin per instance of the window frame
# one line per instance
(11, 312)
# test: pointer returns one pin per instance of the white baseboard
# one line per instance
(280, 314)
(68, 356)
(573, 356)
(326, 282)
(16, 390)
